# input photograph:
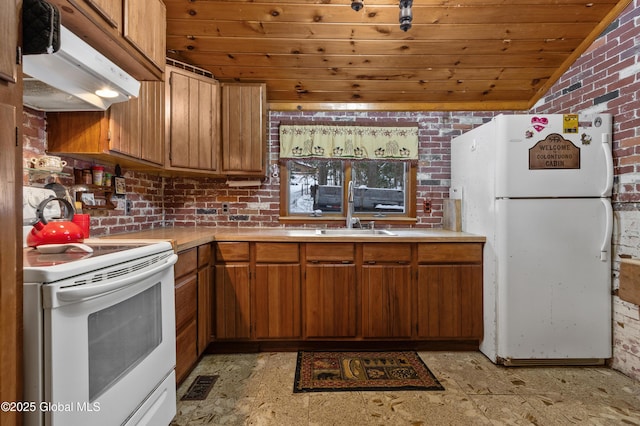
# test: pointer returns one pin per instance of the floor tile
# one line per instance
(257, 390)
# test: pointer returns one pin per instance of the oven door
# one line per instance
(109, 346)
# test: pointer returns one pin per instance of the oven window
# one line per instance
(121, 336)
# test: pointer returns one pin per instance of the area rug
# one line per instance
(199, 388)
(362, 371)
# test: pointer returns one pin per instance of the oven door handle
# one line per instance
(74, 294)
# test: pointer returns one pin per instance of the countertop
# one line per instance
(184, 238)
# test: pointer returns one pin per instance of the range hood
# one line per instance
(69, 79)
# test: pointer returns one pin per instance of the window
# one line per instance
(320, 161)
(318, 188)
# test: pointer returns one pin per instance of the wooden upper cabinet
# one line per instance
(131, 33)
(145, 27)
(124, 127)
(85, 133)
(127, 133)
(137, 126)
(244, 111)
(109, 10)
(192, 121)
(9, 37)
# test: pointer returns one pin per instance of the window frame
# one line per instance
(408, 217)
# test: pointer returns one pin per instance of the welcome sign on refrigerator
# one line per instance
(539, 187)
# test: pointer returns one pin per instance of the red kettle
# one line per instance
(60, 231)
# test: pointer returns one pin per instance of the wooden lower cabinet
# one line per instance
(449, 301)
(387, 287)
(193, 307)
(186, 308)
(279, 291)
(277, 301)
(233, 307)
(386, 301)
(185, 351)
(276, 291)
(330, 304)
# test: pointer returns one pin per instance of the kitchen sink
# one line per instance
(353, 232)
(339, 232)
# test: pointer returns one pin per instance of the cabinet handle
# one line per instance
(371, 262)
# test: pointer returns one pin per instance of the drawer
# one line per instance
(386, 252)
(204, 255)
(450, 253)
(187, 262)
(232, 252)
(277, 253)
(331, 252)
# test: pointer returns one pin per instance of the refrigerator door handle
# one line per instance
(608, 158)
(608, 229)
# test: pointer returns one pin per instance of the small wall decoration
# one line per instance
(120, 185)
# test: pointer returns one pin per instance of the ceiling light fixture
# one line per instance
(357, 5)
(406, 16)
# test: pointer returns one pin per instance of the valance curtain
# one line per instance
(349, 141)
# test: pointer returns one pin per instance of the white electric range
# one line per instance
(99, 332)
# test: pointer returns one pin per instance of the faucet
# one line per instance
(350, 205)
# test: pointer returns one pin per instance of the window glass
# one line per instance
(379, 186)
(315, 185)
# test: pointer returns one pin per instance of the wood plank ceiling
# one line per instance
(321, 54)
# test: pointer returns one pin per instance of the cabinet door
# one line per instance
(277, 301)
(124, 126)
(186, 324)
(137, 126)
(193, 121)
(145, 27)
(9, 37)
(109, 10)
(330, 300)
(186, 354)
(232, 298)
(243, 128)
(449, 301)
(386, 301)
(152, 121)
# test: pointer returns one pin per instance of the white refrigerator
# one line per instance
(539, 187)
